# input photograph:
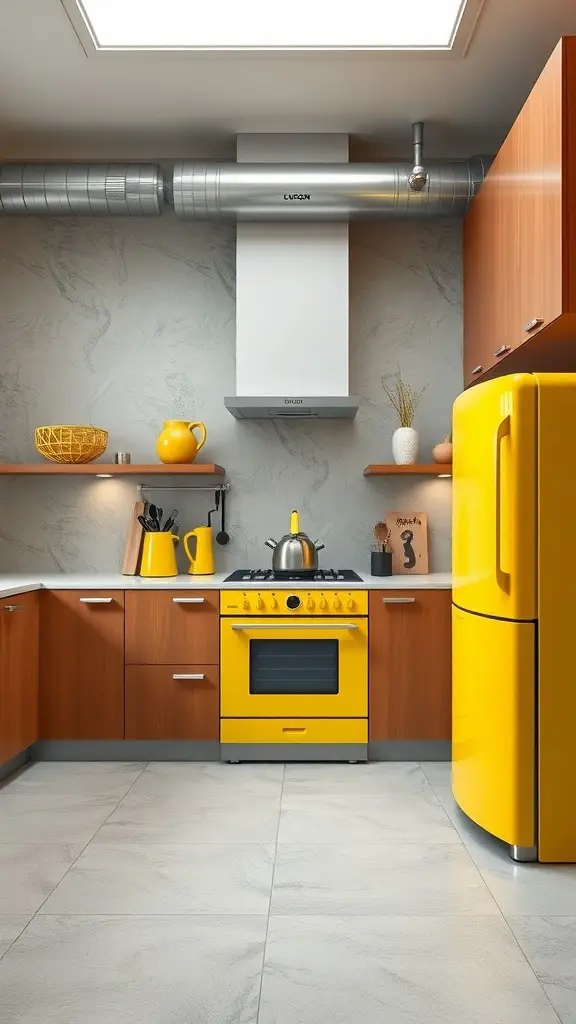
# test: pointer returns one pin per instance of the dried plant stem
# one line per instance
(403, 398)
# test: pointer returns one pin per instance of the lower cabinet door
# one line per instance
(172, 702)
(18, 674)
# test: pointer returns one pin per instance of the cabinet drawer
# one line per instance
(172, 702)
(172, 627)
(294, 730)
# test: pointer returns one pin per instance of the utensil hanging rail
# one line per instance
(174, 487)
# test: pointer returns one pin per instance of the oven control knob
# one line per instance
(337, 603)
(246, 604)
(309, 604)
(322, 603)
(259, 602)
(293, 601)
(350, 604)
(273, 603)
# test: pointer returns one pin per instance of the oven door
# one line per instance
(276, 668)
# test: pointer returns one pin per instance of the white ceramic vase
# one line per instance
(405, 446)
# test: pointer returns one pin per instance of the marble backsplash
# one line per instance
(126, 323)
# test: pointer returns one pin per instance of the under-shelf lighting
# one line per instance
(260, 25)
(444, 476)
(104, 476)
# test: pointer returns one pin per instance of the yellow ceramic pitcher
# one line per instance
(158, 555)
(202, 563)
(177, 443)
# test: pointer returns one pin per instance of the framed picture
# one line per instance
(408, 542)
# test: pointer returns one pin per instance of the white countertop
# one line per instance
(21, 584)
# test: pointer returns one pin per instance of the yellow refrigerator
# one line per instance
(514, 612)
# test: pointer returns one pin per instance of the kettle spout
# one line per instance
(319, 546)
(270, 543)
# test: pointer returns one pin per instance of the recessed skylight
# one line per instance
(269, 25)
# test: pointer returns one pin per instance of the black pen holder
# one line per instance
(381, 563)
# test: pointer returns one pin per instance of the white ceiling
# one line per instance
(56, 100)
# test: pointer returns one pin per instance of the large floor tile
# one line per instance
(350, 818)
(140, 879)
(188, 817)
(378, 879)
(142, 970)
(100, 778)
(550, 946)
(52, 818)
(30, 871)
(405, 970)
(377, 778)
(11, 925)
(532, 889)
(212, 779)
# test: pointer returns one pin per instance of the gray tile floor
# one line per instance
(236, 894)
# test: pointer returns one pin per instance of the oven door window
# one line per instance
(294, 666)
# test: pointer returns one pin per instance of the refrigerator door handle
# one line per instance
(502, 577)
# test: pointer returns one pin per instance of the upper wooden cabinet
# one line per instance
(18, 674)
(172, 627)
(82, 665)
(410, 665)
(520, 238)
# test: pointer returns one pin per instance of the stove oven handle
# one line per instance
(294, 625)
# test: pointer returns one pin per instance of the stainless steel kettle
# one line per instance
(295, 551)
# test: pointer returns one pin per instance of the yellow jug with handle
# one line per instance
(158, 555)
(177, 443)
(202, 563)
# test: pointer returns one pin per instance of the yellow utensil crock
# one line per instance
(158, 555)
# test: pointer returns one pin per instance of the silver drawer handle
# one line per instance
(188, 600)
(13, 607)
(502, 350)
(188, 675)
(294, 625)
(533, 323)
(478, 369)
(96, 600)
(398, 600)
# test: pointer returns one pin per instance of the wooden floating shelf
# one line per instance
(106, 469)
(391, 469)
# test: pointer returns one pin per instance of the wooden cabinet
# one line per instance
(172, 627)
(82, 664)
(172, 702)
(520, 238)
(410, 665)
(18, 674)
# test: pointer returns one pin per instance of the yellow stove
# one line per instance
(294, 674)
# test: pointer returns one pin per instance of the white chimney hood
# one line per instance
(292, 300)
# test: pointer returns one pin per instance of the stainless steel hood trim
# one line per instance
(339, 407)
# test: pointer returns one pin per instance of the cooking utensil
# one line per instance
(210, 514)
(153, 511)
(144, 523)
(133, 550)
(294, 551)
(382, 535)
(170, 521)
(222, 537)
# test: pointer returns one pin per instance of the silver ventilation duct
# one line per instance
(322, 192)
(96, 190)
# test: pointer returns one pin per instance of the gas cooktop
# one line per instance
(269, 575)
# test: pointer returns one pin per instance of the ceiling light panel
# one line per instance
(266, 25)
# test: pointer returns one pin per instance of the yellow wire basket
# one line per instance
(70, 444)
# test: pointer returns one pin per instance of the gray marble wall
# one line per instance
(125, 323)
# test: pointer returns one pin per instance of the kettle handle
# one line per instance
(202, 430)
(294, 522)
(192, 533)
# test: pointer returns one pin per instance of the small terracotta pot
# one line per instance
(443, 452)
